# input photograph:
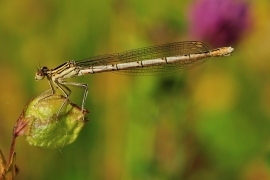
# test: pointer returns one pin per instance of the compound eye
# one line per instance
(39, 75)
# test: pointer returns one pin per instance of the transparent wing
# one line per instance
(152, 52)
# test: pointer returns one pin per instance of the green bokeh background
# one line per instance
(210, 122)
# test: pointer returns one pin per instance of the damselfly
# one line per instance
(160, 59)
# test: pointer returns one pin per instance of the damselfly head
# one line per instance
(41, 73)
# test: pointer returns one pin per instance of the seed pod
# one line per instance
(42, 127)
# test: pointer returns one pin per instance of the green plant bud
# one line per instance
(41, 125)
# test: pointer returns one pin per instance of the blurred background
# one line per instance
(210, 122)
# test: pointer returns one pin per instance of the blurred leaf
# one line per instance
(8, 171)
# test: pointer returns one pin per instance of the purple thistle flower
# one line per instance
(219, 22)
